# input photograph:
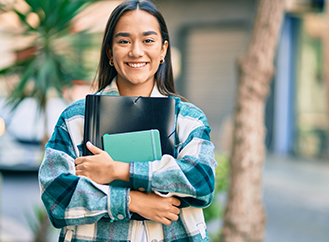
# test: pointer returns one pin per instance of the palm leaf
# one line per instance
(50, 67)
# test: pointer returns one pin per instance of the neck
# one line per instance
(135, 90)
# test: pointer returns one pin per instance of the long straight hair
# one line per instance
(106, 73)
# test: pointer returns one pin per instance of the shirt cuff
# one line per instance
(118, 207)
(140, 177)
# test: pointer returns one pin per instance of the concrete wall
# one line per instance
(209, 36)
(179, 13)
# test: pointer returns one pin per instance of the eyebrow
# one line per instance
(125, 34)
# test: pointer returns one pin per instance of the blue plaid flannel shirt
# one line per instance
(87, 211)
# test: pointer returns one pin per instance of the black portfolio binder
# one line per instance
(118, 114)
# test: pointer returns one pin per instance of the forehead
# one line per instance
(137, 21)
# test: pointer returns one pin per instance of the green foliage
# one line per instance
(39, 223)
(53, 59)
(35, 217)
(215, 210)
(222, 172)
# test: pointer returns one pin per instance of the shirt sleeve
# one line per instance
(68, 199)
(190, 176)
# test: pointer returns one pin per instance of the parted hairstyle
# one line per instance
(106, 73)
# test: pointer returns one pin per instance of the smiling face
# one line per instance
(136, 52)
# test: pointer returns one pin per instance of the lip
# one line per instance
(136, 65)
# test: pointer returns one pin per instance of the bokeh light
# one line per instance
(2, 126)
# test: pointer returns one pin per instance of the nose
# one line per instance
(136, 50)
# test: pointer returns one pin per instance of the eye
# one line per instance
(149, 41)
(123, 42)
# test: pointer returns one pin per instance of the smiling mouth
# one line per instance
(136, 65)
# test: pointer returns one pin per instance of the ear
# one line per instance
(109, 52)
(164, 49)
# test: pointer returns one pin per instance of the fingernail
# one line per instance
(89, 143)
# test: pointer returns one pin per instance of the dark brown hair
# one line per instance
(106, 73)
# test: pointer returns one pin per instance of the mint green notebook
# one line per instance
(139, 146)
(133, 146)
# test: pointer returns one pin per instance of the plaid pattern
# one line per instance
(87, 211)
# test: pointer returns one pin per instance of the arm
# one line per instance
(153, 207)
(101, 168)
(190, 176)
(70, 200)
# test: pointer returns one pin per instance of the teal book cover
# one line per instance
(133, 146)
(139, 146)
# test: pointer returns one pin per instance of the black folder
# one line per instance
(106, 114)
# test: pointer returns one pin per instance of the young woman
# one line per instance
(135, 61)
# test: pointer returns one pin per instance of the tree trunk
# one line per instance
(244, 218)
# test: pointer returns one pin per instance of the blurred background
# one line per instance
(49, 55)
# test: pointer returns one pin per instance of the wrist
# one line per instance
(133, 201)
(121, 171)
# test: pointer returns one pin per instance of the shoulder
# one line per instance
(187, 109)
(74, 109)
(191, 121)
(72, 113)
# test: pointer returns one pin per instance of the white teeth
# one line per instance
(136, 65)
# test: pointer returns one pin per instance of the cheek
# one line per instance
(156, 56)
(156, 61)
(117, 54)
(118, 62)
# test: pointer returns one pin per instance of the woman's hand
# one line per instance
(153, 207)
(100, 167)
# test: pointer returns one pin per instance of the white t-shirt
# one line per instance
(141, 236)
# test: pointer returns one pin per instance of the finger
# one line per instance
(166, 221)
(78, 173)
(78, 161)
(175, 210)
(93, 149)
(78, 167)
(173, 217)
(81, 173)
(176, 202)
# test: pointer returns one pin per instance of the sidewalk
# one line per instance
(12, 231)
(296, 198)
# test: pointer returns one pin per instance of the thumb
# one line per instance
(93, 149)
